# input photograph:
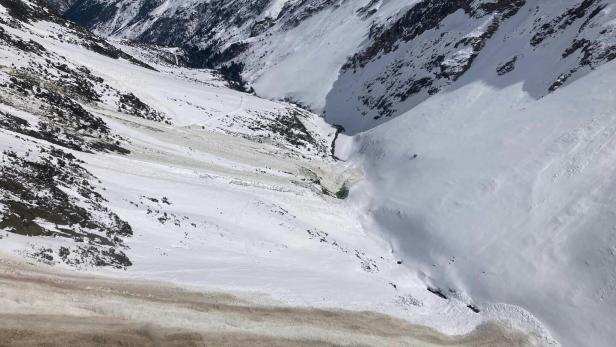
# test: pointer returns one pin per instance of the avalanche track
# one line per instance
(44, 305)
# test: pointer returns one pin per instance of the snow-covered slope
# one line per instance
(444, 45)
(61, 89)
(142, 169)
(498, 196)
(480, 167)
(363, 62)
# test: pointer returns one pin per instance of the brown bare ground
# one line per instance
(47, 307)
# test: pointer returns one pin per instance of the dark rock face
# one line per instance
(195, 29)
(565, 20)
(36, 203)
(591, 51)
(131, 104)
(292, 129)
(422, 59)
(45, 192)
(23, 12)
(507, 67)
(90, 12)
(211, 33)
(295, 13)
(63, 120)
(424, 16)
(507, 8)
(434, 44)
(596, 50)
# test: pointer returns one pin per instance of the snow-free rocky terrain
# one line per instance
(456, 172)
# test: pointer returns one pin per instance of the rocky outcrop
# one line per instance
(434, 44)
(45, 192)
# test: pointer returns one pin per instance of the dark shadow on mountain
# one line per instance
(500, 44)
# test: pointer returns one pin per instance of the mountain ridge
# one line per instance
(381, 74)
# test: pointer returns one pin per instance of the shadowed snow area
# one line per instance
(505, 198)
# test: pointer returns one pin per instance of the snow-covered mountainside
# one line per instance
(67, 95)
(498, 196)
(477, 156)
(445, 45)
(364, 62)
(117, 161)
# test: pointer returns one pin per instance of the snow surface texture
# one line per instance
(216, 197)
(505, 198)
(491, 186)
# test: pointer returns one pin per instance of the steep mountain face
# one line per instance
(496, 173)
(255, 34)
(364, 62)
(214, 29)
(439, 45)
(211, 24)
